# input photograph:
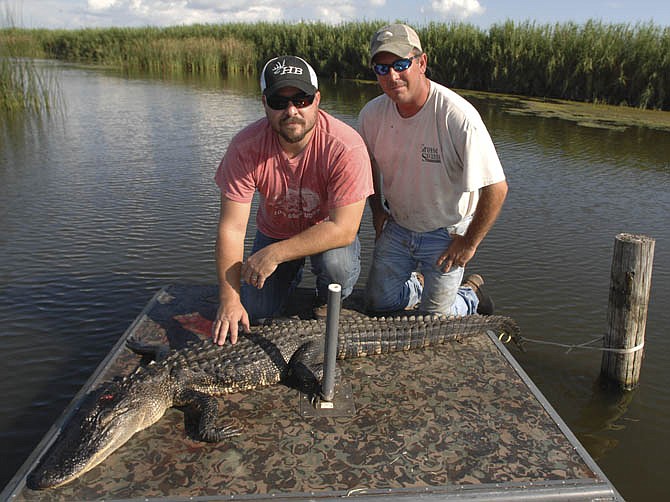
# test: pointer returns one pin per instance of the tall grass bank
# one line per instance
(23, 85)
(618, 64)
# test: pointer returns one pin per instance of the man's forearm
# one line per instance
(488, 208)
(316, 239)
(229, 255)
(376, 200)
(338, 231)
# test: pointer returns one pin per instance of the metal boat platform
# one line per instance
(460, 421)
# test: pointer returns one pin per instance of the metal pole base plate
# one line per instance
(342, 404)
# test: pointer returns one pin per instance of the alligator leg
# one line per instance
(208, 430)
(153, 352)
(306, 368)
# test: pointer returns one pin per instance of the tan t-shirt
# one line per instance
(433, 163)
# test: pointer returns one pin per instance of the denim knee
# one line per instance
(340, 265)
(386, 293)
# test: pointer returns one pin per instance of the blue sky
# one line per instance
(72, 14)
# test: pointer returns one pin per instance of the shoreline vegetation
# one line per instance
(593, 62)
(23, 86)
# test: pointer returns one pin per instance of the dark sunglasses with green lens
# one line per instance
(399, 65)
(300, 100)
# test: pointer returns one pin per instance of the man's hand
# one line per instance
(228, 318)
(463, 248)
(259, 266)
(458, 254)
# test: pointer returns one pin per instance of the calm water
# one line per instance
(100, 208)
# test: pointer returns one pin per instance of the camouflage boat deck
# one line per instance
(460, 421)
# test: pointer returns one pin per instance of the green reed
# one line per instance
(201, 56)
(23, 85)
(226, 48)
(619, 64)
(152, 50)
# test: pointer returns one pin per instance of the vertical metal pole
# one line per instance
(330, 350)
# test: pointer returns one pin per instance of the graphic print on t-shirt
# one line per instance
(297, 204)
(430, 154)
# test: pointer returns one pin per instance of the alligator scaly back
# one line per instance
(366, 336)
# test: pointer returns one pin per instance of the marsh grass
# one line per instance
(618, 64)
(23, 85)
(200, 56)
(156, 51)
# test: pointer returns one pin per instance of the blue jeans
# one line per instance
(393, 285)
(340, 265)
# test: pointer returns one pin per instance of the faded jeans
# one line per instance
(393, 285)
(340, 265)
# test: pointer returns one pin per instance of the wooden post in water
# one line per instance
(627, 310)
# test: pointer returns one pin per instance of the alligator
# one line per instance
(288, 351)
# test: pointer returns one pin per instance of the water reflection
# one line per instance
(605, 413)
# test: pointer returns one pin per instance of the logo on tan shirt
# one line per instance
(430, 154)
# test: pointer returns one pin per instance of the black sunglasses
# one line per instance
(300, 100)
(399, 65)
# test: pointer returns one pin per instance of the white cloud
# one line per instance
(253, 14)
(102, 13)
(100, 4)
(179, 12)
(333, 12)
(459, 9)
(162, 12)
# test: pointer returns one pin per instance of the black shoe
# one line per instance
(486, 305)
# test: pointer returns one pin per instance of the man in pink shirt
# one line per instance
(313, 175)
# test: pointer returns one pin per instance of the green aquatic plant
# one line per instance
(24, 85)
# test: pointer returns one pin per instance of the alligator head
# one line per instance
(106, 419)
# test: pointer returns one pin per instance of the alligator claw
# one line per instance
(216, 435)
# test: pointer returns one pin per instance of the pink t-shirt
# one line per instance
(332, 171)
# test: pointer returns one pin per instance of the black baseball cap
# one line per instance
(288, 71)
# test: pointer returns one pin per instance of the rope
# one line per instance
(585, 345)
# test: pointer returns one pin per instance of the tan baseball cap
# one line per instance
(398, 39)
